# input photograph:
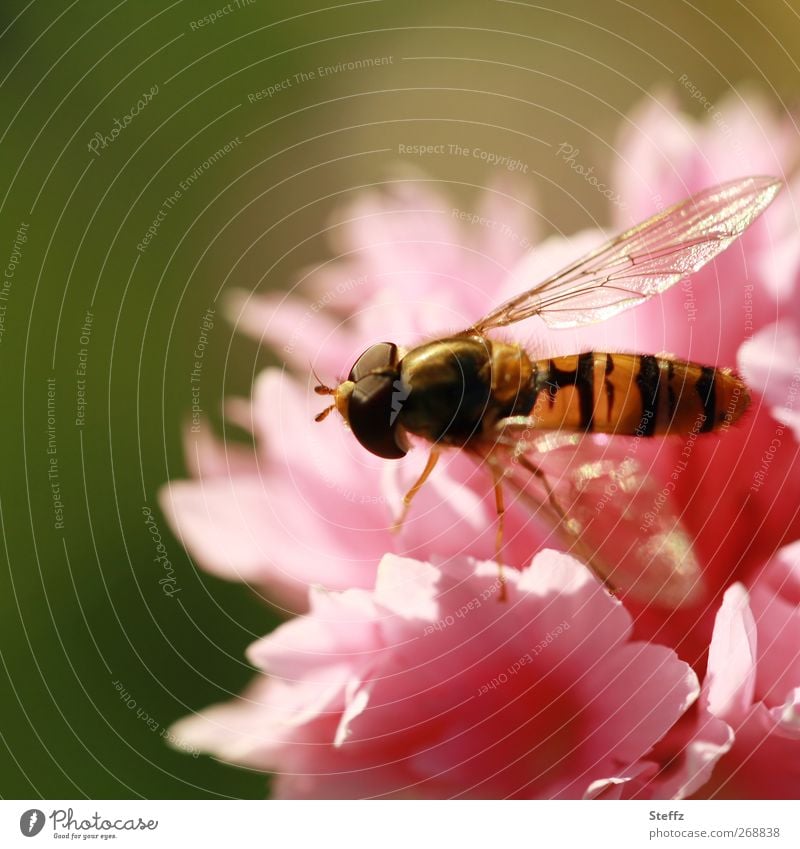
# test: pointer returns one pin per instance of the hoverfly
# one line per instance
(526, 419)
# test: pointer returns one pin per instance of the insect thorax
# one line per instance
(453, 388)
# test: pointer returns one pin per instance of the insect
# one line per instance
(528, 419)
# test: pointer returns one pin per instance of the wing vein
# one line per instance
(650, 258)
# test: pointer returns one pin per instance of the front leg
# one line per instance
(433, 458)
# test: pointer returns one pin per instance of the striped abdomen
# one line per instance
(634, 394)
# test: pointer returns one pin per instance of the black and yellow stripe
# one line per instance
(634, 394)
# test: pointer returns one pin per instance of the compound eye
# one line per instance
(376, 357)
(371, 418)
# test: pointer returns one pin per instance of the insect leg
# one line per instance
(551, 496)
(577, 546)
(409, 496)
(497, 477)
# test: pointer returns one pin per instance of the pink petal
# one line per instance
(207, 456)
(302, 333)
(730, 682)
(769, 362)
(787, 716)
(774, 601)
(407, 587)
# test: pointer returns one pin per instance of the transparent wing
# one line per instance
(643, 261)
(607, 508)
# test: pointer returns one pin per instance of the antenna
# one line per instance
(321, 388)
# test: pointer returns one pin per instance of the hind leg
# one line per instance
(542, 477)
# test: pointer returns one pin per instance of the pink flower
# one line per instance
(429, 687)
(308, 507)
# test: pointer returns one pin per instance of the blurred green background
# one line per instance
(86, 628)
